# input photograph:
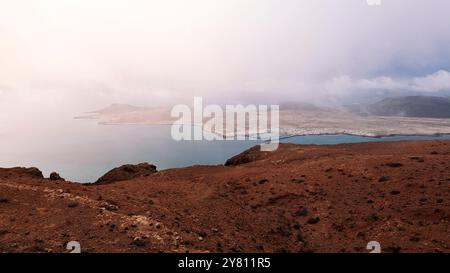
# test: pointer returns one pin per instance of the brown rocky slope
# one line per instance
(301, 198)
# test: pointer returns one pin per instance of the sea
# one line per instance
(83, 150)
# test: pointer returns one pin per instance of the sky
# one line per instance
(70, 56)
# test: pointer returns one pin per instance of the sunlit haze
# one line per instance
(73, 56)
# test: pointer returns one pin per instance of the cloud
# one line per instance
(92, 53)
(435, 82)
(439, 81)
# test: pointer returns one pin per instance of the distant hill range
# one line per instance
(299, 106)
(117, 108)
(129, 114)
(410, 106)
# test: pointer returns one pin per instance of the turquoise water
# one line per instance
(337, 139)
(84, 150)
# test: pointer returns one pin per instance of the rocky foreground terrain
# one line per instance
(297, 199)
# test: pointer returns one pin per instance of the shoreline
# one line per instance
(368, 135)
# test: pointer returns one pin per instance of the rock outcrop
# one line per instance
(22, 172)
(250, 155)
(126, 172)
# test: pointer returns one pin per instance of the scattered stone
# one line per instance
(373, 217)
(394, 164)
(263, 181)
(298, 180)
(3, 232)
(313, 220)
(72, 204)
(383, 179)
(4, 200)
(393, 249)
(417, 158)
(301, 212)
(109, 206)
(395, 192)
(137, 241)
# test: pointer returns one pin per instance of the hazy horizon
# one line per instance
(63, 57)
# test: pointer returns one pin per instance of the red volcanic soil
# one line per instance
(301, 198)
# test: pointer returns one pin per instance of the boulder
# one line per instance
(55, 176)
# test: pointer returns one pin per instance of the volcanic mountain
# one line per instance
(410, 106)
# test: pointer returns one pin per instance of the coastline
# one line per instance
(286, 136)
